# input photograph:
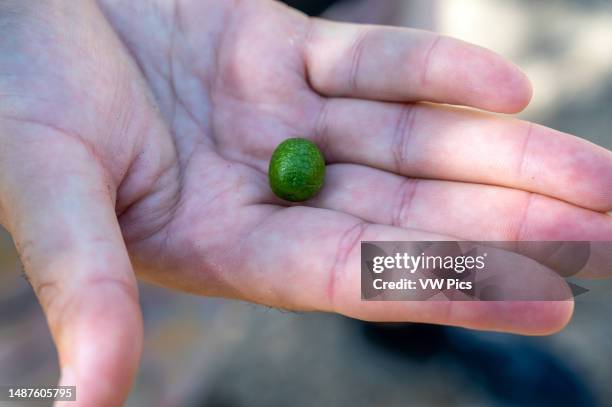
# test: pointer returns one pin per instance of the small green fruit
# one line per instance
(297, 170)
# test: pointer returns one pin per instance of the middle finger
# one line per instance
(468, 211)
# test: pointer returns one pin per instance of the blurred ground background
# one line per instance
(210, 352)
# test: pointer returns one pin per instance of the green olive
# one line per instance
(297, 170)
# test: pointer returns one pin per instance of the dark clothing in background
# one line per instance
(311, 7)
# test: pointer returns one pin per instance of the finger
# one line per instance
(59, 210)
(426, 141)
(309, 259)
(468, 211)
(478, 213)
(576, 258)
(399, 64)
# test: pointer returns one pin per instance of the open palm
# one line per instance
(136, 136)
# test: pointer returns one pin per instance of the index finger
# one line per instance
(405, 65)
(304, 258)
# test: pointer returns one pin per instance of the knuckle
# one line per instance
(348, 243)
(401, 137)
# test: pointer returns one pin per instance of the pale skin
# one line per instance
(135, 138)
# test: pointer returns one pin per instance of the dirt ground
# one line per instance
(211, 352)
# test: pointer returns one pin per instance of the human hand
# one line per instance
(146, 128)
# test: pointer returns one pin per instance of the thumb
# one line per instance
(56, 203)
